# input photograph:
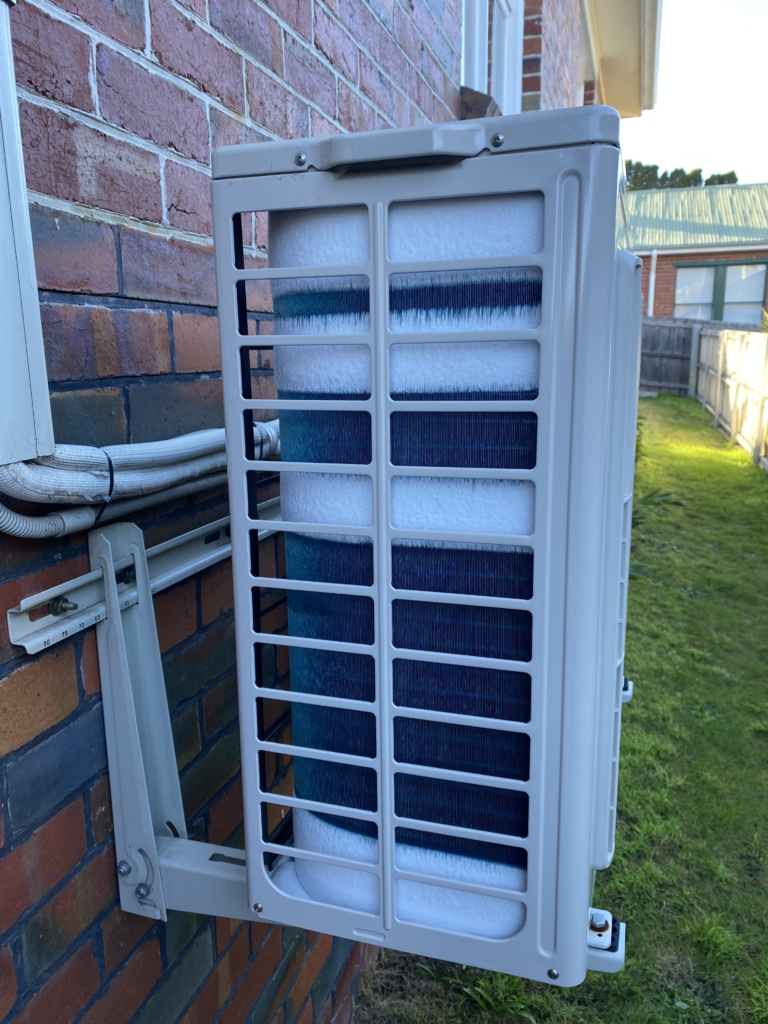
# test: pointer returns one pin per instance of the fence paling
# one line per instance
(731, 383)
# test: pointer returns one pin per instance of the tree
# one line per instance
(645, 176)
(642, 176)
(722, 179)
(680, 178)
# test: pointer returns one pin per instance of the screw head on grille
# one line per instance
(497, 140)
(258, 907)
(553, 974)
(300, 159)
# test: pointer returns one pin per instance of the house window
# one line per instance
(734, 293)
(744, 294)
(694, 288)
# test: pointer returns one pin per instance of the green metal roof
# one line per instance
(675, 218)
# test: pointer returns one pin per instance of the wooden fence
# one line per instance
(665, 356)
(732, 384)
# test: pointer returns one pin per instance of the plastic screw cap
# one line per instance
(553, 974)
(300, 159)
(497, 140)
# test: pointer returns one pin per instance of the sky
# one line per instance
(712, 91)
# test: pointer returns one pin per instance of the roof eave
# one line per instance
(627, 52)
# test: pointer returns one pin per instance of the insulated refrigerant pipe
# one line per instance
(77, 474)
(137, 476)
(83, 517)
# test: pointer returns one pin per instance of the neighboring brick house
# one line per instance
(120, 106)
(704, 251)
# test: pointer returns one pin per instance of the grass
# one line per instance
(691, 865)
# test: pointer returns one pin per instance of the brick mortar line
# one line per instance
(140, 380)
(95, 213)
(163, 190)
(147, 30)
(112, 301)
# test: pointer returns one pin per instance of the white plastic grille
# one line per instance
(567, 480)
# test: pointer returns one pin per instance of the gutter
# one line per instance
(694, 250)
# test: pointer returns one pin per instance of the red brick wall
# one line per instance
(560, 54)
(532, 55)
(550, 54)
(664, 293)
(120, 107)
(592, 94)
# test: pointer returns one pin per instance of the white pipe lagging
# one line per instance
(83, 517)
(106, 483)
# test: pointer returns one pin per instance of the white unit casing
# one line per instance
(26, 431)
(533, 201)
(617, 536)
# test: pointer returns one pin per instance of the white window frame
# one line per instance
(506, 51)
(474, 57)
(25, 409)
(507, 54)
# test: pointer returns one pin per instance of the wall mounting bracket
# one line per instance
(158, 867)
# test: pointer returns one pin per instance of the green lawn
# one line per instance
(691, 865)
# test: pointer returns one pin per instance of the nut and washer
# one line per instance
(142, 891)
(258, 907)
(300, 159)
(598, 922)
(123, 868)
(497, 140)
(553, 974)
(59, 605)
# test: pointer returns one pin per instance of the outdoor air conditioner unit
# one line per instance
(430, 634)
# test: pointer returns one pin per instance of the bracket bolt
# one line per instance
(123, 868)
(598, 922)
(258, 907)
(61, 604)
(129, 574)
(142, 891)
(553, 974)
(497, 140)
(300, 159)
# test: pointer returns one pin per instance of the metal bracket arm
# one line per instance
(140, 885)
